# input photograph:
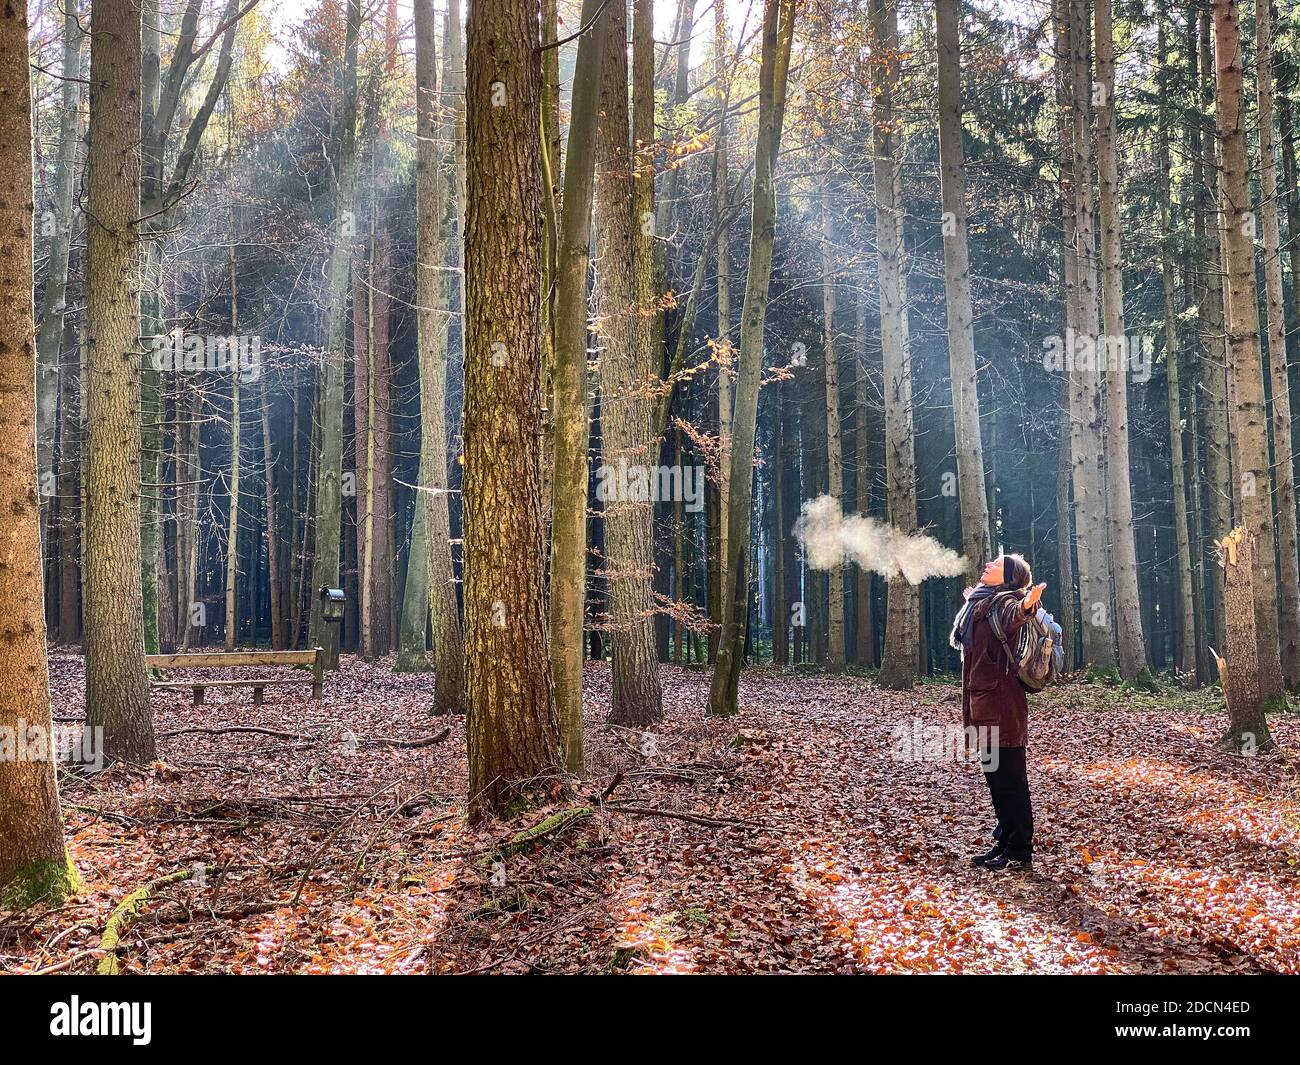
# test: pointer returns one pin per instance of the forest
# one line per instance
(591, 486)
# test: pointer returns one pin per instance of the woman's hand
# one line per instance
(1035, 594)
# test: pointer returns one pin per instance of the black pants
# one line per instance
(1009, 788)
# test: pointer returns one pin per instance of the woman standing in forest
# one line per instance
(993, 702)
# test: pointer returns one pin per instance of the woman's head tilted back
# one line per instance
(1008, 571)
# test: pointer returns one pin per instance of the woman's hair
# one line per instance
(1016, 572)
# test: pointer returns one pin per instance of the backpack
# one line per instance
(1035, 656)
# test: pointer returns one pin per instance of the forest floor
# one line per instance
(793, 840)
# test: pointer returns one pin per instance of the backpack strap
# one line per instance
(995, 623)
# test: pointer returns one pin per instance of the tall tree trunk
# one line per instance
(151, 307)
(329, 510)
(1247, 416)
(678, 534)
(1214, 350)
(49, 336)
(360, 628)
(976, 541)
(411, 645)
(902, 622)
(626, 399)
(433, 298)
(866, 630)
(70, 452)
(232, 517)
(381, 504)
(1065, 533)
(297, 549)
(1185, 656)
(651, 333)
(551, 96)
(272, 522)
(1193, 272)
(1128, 616)
(188, 610)
(778, 33)
(34, 864)
(1065, 540)
(513, 736)
(551, 178)
(835, 649)
(367, 450)
(1288, 545)
(722, 198)
(167, 572)
(117, 695)
(1087, 406)
(780, 601)
(1286, 121)
(572, 398)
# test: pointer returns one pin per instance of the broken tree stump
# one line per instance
(1239, 665)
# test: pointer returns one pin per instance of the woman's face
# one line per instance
(992, 572)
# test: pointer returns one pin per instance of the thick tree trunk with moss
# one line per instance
(1247, 417)
(778, 33)
(1128, 608)
(902, 620)
(1280, 406)
(571, 396)
(329, 476)
(117, 696)
(34, 863)
(626, 403)
(513, 736)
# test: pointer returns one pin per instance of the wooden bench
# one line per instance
(235, 659)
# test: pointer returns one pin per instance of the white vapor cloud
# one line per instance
(829, 537)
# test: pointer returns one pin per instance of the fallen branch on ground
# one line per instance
(427, 741)
(387, 741)
(550, 826)
(234, 728)
(123, 914)
(707, 820)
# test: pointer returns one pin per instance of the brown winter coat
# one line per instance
(991, 693)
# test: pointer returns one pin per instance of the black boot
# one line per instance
(1003, 864)
(988, 856)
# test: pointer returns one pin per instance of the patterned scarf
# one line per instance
(963, 625)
